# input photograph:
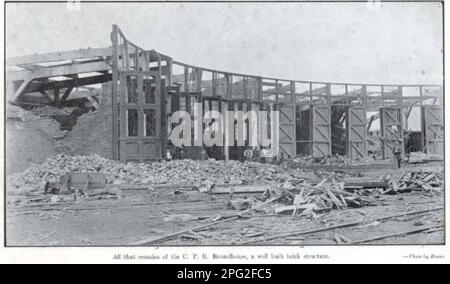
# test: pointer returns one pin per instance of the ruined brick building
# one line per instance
(117, 102)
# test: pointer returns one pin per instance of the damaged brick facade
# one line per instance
(92, 133)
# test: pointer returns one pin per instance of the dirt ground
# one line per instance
(143, 214)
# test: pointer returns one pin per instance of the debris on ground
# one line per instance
(211, 202)
(46, 124)
(336, 160)
(308, 199)
(429, 181)
(420, 157)
(267, 188)
(74, 187)
(204, 174)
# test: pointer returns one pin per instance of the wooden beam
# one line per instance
(292, 91)
(93, 102)
(228, 84)
(58, 56)
(58, 71)
(66, 94)
(260, 89)
(186, 79)
(115, 78)
(36, 86)
(45, 95)
(339, 226)
(297, 81)
(21, 89)
(271, 84)
(198, 80)
(56, 94)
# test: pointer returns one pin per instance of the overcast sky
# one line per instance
(337, 42)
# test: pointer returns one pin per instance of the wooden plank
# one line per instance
(58, 71)
(66, 94)
(115, 78)
(79, 180)
(408, 232)
(58, 56)
(36, 86)
(150, 241)
(93, 102)
(226, 189)
(21, 88)
(45, 95)
(345, 225)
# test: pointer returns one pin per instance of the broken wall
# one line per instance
(30, 139)
(93, 131)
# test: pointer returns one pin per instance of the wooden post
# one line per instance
(277, 91)
(56, 95)
(214, 83)
(186, 79)
(164, 122)
(364, 93)
(260, 96)
(198, 79)
(66, 93)
(227, 78)
(328, 90)
(10, 90)
(226, 150)
(422, 117)
(170, 72)
(292, 91)
(245, 88)
(115, 77)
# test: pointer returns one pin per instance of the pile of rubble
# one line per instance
(167, 172)
(251, 186)
(419, 157)
(336, 160)
(308, 198)
(48, 111)
(430, 182)
(38, 120)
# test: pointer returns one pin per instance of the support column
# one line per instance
(115, 78)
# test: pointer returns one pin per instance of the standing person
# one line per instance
(397, 150)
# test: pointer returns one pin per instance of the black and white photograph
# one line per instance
(213, 125)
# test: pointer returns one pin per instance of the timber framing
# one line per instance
(56, 74)
(35, 73)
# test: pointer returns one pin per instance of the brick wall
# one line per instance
(27, 143)
(93, 131)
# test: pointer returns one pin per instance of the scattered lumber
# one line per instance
(420, 157)
(236, 189)
(181, 172)
(156, 186)
(150, 241)
(409, 232)
(309, 199)
(428, 181)
(345, 225)
(366, 182)
(46, 237)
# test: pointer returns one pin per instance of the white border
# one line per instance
(359, 254)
